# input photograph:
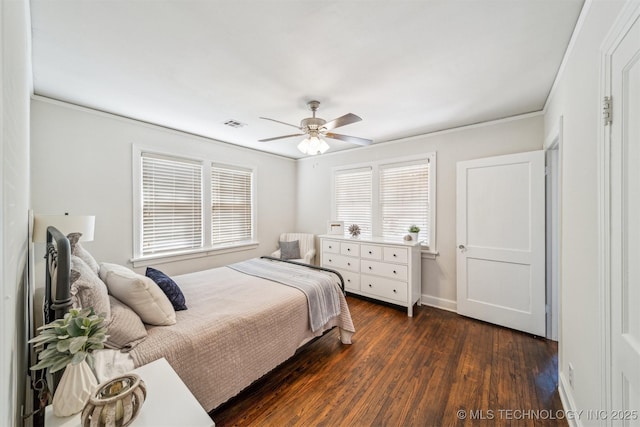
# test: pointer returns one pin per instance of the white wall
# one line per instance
(81, 163)
(577, 99)
(490, 139)
(15, 89)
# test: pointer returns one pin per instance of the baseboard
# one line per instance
(441, 303)
(568, 404)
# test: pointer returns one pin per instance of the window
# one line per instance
(231, 206)
(404, 199)
(171, 204)
(386, 198)
(353, 198)
(190, 205)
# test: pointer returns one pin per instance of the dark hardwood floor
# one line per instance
(435, 369)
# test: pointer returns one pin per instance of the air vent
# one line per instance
(234, 123)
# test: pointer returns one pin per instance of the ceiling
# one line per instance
(407, 67)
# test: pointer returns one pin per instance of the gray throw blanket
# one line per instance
(319, 288)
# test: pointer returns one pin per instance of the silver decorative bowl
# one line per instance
(115, 403)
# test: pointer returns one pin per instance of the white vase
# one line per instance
(75, 387)
(414, 236)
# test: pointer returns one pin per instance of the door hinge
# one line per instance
(607, 115)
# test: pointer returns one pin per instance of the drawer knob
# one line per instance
(349, 264)
(395, 292)
(349, 280)
(394, 255)
(394, 272)
(348, 249)
(370, 268)
(370, 252)
(330, 260)
(370, 285)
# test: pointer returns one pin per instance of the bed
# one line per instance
(239, 324)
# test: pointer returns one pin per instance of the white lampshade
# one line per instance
(304, 146)
(65, 224)
(323, 146)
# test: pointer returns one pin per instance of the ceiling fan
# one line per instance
(315, 127)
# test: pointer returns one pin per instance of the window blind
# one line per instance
(231, 204)
(404, 199)
(353, 193)
(171, 204)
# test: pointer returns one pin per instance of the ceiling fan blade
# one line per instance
(352, 139)
(347, 119)
(281, 137)
(278, 121)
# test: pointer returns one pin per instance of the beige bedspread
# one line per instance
(236, 329)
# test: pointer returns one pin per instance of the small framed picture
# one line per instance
(335, 227)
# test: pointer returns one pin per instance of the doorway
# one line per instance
(552, 230)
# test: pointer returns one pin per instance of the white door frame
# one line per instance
(629, 14)
(553, 148)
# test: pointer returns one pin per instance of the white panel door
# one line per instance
(501, 240)
(625, 226)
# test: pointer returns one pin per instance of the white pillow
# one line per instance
(79, 251)
(87, 290)
(140, 293)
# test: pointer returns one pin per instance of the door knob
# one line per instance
(461, 247)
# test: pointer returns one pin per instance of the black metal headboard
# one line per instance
(58, 267)
(57, 294)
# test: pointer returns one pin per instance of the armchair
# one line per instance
(307, 244)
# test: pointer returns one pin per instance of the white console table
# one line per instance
(381, 269)
(168, 403)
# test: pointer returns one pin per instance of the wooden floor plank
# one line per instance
(403, 371)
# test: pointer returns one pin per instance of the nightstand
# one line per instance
(169, 402)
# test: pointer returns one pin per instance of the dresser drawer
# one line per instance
(396, 255)
(331, 246)
(371, 252)
(393, 271)
(351, 249)
(340, 262)
(351, 280)
(382, 287)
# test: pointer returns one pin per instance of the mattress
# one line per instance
(237, 328)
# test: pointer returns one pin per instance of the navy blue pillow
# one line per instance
(169, 287)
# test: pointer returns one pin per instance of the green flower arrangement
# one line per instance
(70, 340)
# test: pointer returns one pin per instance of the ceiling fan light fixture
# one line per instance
(313, 145)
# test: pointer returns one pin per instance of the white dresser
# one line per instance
(376, 268)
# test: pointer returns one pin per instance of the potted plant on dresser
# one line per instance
(414, 232)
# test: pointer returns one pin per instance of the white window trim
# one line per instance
(150, 260)
(428, 251)
(208, 249)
